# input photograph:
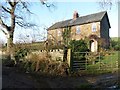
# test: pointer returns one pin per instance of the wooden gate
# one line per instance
(92, 61)
(78, 61)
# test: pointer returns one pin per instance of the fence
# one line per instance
(92, 61)
(85, 60)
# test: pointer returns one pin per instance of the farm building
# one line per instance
(94, 26)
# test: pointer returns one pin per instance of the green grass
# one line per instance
(107, 64)
(111, 59)
(115, 38)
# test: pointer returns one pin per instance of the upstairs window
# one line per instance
(50, 36)
(94, 27)
(78, 30)
(59, 33)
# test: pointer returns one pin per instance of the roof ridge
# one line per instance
(82, 16)
(93, 13)
(80, 20)
(63, 20)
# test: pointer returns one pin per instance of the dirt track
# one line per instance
(12, 78)
(15, 79)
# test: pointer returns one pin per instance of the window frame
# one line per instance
(94, 27)
(78, 30)
(59, 33)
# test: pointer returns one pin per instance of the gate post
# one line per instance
(69, 57)
(99, 62)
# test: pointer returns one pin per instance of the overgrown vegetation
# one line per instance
(115, 44)
(43, 64)
(78, 46)
(78, 49)
(66, 39)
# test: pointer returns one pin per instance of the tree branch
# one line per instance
(9, 1)
(25, 25)
(105, 4)
(3, 31)
(26, 6)
(19, 17)
(16, 1)
(46, 4)
(6, 9)
(2, 23)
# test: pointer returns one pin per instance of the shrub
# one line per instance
(21, 53)
(115, 45)
(41, 63)
(9, 63)
(27, 66)
(33, 66)
(78, 46)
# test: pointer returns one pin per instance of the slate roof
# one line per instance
(80, 20)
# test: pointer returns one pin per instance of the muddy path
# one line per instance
(13, 78)
(105, 81)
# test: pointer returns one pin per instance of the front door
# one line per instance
(93, 46)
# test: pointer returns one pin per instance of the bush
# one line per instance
(27, 66)
(9, 63)
(21, 53)
(43, 64)
(33, 66)
(115, 45)
(78, 46)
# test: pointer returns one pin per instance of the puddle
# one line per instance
(114, 87)
(109, 77)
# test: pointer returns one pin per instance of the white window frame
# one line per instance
(78, 31)
(50, 36)
(59, 33)
(94, 27)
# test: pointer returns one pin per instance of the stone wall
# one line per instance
(56, 54)
(85, 31)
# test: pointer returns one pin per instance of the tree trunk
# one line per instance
(9, 44)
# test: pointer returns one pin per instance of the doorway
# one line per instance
(93, 46)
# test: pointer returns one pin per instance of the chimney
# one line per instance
(75, 15)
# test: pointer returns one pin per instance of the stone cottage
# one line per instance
(94, 26)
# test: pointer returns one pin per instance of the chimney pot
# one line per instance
(75, 15)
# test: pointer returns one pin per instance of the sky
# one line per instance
(45, 17)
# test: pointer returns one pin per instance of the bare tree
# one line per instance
(14, 12)
(107, 4)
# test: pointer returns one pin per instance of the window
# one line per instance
(59, 42)
(59, 33)
(94, 27)
(50, 36)
(78, 30)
